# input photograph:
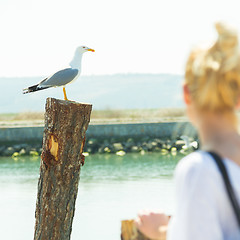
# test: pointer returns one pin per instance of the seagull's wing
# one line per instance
(59, 78)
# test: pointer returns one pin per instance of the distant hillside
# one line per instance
(120, 91)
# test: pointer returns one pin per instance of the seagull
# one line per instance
(189, 145)
(64, 76)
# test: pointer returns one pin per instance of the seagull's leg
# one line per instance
(65, 95)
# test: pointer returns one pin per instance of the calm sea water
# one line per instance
(111, 189)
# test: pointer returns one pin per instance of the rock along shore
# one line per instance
(108, 138)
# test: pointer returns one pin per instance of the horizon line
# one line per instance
(97, 75)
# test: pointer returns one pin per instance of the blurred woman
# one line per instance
(212, 96)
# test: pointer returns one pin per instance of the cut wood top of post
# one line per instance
(66, 102)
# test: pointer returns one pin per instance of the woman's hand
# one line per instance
(152, 224)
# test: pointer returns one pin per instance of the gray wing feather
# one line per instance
(60, 78)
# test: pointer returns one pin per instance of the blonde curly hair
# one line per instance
(212, 75)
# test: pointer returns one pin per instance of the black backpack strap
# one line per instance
(228, 185)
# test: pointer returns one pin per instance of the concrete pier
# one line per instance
(170, 130)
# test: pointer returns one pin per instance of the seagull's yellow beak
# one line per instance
(92, 50)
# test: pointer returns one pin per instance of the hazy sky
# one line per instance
(130, 36)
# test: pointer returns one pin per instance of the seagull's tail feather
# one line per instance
(33, 88)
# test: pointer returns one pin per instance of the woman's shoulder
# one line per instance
(200, 163)
(203, 160)
(196, 162)
(201, 198)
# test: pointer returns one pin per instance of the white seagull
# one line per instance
(64, 76)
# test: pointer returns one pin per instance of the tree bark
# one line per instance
(66, 123)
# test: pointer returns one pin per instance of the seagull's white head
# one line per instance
(77, 59)
(83, 49)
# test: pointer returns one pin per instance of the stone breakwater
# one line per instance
(110, 138)
(111, 145)
(141, 145)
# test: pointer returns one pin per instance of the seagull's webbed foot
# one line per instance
(64, 93)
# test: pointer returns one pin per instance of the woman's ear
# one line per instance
(186, 94)
(238, 104)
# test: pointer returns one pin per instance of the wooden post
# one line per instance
(130, 232)
(66, 123)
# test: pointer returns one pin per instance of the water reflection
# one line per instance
(128, 167)
(111, 188)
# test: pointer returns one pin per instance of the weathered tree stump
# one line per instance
(66, 123)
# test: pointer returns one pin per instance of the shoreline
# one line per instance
(96, 121)
(117, 138)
